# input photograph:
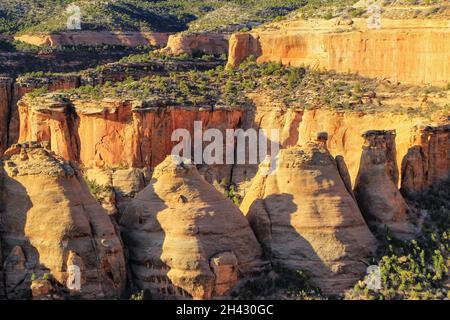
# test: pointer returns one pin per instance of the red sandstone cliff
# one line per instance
(192, 43)
(411, 51)
(94, 38)
(428, 159)
(113, 133)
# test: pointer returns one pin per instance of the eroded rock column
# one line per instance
(376, 185)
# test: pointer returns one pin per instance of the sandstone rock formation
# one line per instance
(12, 91)
(5, 99)
(197, 43)
(306, 219)
(376, 186)
(95, 38)
(345, 130)
(428, 159)
(411, 51)
(50, 222)
(113, 133)
(185, 239)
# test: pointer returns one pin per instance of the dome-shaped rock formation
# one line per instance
(51, 224)
(306, 218)
(185, 239)
(376, 185)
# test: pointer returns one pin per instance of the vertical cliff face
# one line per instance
(197, 43)
(51, 224)
(428, 159)
(96, 38)
(114, 133)
(345, 131)
(306, 219)
(186, 240)
(26, 85)
(407, 51)
(376, 186)
(5, 102)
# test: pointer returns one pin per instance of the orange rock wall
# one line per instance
(416, 55)
(119, 136)
(192, 43)
(92, 38)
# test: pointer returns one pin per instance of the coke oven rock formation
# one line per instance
(51, 223)
(185, 239)
(306, 219)
(376, 185)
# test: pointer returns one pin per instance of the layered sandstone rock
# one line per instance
(51, 224)
(114, 133)
(114, 72)
(428, 159)
(376, 186)
(26, 85)
(345, 130)
(5, 101)
(411, 51)
(306, 219)
(197, 43)
(185, 239)
(95, 38)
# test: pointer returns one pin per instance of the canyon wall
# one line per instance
(95, 38)
(406, 51)
(114, 133)
(127, 134)
(197, 43)
(428, 159)
(11, 91)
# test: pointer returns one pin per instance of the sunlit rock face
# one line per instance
(51, 223)
(376, 186)
(201, 43)
(410, 51)
(185, 239)
(306, 219)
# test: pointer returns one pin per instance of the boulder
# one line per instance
(185, 239)
(306, 218)
(48, 215)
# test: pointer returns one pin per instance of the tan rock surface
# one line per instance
(306, 219)
(376, 186)
(185, 239)
(191, 43)
(113, 133)
(411, 51)
(48, 215)
(94, 38)
(428, 159)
